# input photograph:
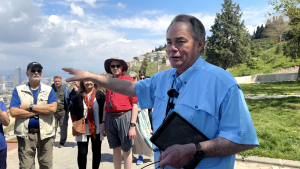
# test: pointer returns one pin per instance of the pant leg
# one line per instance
(96, 148)
(64, 128)
(26, 151)
(82, 154)
(3, 156)
(56, 122)
(45, 152)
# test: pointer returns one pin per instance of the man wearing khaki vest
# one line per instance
(33, 105)
(62, 112)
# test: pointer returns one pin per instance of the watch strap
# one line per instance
(198, 157)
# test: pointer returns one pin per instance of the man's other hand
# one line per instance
(131, 133)
(177, 156)
(103, 130)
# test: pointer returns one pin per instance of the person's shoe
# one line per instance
(140, 160)
(60, 146)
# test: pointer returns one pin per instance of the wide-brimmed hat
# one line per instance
(108, 61)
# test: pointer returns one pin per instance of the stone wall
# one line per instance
(267, 78)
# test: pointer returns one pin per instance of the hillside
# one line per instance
(273, 64)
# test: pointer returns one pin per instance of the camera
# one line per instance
(109, 105)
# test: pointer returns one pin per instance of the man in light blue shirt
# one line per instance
(209, 98)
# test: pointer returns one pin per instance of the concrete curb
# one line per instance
(272, 161)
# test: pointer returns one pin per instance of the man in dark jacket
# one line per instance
(62, 112)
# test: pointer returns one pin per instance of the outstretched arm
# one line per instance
(124, 87)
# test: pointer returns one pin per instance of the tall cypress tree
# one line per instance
(230, 42)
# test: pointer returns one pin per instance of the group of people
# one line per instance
(208, 97)
(39, 109)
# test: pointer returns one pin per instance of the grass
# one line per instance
(277, 123)
(9, 128)
(15, 138)
(280, 62)
(271, 88)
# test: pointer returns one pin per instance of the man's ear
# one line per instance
(27, 74)
(200, 45)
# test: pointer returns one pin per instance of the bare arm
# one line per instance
(134, 113)
(103, 130)
(24, 110)
(179, 155)
(124, 87)
(4, 119)
(21, 113)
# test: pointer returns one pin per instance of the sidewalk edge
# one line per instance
(274, 161)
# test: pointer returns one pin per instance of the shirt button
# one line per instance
(163, 97)
(196, 107)
(178, 89)
(184, 82)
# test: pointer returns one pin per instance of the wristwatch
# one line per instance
(132, 124)
(30, 107)
(199, 152)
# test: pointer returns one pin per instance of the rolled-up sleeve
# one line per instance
(145, 92)
(236, 123)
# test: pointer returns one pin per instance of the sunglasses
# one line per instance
(133, 78)
(33, 70)
(113, 66)
(142, 78)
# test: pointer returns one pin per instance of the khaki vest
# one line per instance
(46, 121)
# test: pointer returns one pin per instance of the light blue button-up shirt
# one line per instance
(209, 98)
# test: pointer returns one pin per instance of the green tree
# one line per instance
(136, 58)
(252, 64)
(290, 8)
(163, 60)
(229, 44)
(265, 57)
(144, 64)
(278, 49)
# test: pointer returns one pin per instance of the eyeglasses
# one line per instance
(133, 78)
(113, 66)
(33, 70)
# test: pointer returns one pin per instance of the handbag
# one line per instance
(79, 126)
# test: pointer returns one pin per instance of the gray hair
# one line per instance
(198, 31)
(133, 73)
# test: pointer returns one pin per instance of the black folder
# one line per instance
(176, 130)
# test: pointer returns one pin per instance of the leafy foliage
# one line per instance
(144, 64)
(229, 43)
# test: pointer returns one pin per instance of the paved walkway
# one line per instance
(65, 158)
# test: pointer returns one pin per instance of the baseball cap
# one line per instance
(32, 64)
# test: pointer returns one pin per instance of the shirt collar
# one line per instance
(42, 86)
(185, 76)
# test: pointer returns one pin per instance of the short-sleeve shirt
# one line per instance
(16, 102)
(209, 98)
(119, 102)
(2, 138)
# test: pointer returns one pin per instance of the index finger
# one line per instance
(69, 70)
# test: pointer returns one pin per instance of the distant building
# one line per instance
(8, 77)
(18, 77)
(14, 82)
(2, 86)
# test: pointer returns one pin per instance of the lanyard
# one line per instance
(39, 89)
(170, 105)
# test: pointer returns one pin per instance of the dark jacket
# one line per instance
(67, 99)
(77, 107)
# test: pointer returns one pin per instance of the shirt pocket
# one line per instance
(199, 116)
(42, 99)
(159, 111)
